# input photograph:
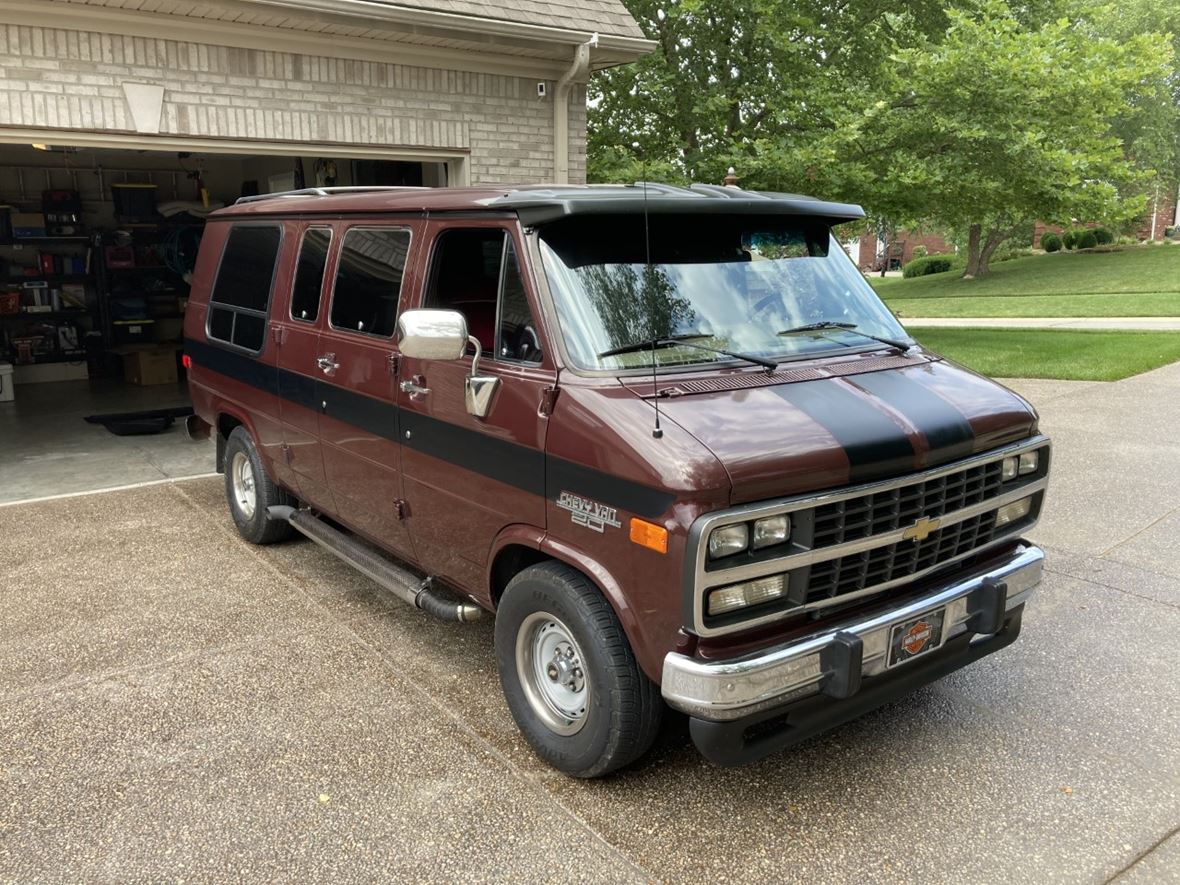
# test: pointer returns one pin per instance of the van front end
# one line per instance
(878, 588)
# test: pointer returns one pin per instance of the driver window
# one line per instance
(475, 271)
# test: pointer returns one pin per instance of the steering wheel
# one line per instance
(526, 346)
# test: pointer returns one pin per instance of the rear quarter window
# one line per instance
(242, 291)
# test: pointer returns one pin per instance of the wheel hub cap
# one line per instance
(550, 665)
(242, 476)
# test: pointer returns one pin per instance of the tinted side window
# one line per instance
(518, 338)
(309, 274)
(369, 280)
(242, 290)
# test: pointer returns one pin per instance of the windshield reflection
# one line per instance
(733, 281)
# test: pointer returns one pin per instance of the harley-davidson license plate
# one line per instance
(916, 637)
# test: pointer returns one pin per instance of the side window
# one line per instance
(475, 272)
(242, 290)
(369, 280)
(309, 274)
(517, 336)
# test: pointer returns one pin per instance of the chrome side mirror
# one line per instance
(480, 388)
(432, 334)
(442, 335)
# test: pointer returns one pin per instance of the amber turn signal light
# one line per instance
(649, 535)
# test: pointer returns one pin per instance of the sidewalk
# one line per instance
(1155, 324)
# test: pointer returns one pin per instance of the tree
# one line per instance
(979, 117)
(743, 83)
(998, 124)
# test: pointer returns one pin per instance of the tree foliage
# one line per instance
(978, 117)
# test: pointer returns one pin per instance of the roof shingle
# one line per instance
(603, 16)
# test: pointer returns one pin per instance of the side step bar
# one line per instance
(402, 583)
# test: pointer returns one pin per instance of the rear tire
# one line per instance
(569, 676)
(250, 491)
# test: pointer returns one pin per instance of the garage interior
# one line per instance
(97, 247)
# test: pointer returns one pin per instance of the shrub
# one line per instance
(1050, 242)
(1069, 239)
(1171, 232)
(929, 264)
(920, 251)
(1009, 254)
(1087, 240)
(1102, 236)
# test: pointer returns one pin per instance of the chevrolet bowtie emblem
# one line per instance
(922, 529)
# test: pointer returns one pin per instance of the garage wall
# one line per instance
(73, 79)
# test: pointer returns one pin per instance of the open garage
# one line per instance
(124, 123)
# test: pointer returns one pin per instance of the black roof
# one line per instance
(542, 205)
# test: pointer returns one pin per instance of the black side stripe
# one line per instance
(947, 431)
(498, 459)
(507, 462)
(596, 485)
(875, 445)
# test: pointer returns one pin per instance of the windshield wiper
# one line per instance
(686, 341)
(851, 327)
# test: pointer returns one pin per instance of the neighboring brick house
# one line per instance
(1163, 213)
(449, 83)
(869, 253)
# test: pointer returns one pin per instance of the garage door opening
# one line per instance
(97, 247)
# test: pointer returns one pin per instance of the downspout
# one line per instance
(579, 70)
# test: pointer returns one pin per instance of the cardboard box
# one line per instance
(147, 367)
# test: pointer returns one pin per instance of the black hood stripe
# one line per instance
(947, 431)
(876, 446)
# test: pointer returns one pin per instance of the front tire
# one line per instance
(569, 676)
(250, 491)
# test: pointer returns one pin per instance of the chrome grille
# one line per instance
(848, 574)
(872, 514)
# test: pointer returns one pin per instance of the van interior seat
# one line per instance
(481, 320)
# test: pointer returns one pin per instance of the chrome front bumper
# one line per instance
(834, 662)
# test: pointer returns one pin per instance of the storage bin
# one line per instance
(131, 331)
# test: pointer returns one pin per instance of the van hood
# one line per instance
(791, 436)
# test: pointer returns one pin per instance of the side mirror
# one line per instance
(442, 335)
(432, 334)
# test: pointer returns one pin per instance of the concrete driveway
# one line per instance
(175, 704)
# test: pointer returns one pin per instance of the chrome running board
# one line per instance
(416, 590)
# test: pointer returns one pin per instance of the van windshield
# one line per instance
(727, 282)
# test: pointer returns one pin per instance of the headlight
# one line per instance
(770, 531)
(728, 540)
(737, 596)
(1013, 512)
(1028, 463)
(1009, 468)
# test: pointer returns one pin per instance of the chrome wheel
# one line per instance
(242, 476)
(552, 672)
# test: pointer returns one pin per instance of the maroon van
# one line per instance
(669, 436)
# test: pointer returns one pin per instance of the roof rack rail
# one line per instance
(327, 192)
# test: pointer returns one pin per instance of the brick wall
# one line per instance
(901, 249)
(71, 79)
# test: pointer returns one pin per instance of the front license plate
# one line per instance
(916, 637)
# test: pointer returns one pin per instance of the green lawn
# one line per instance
(1142, 281)
(1062, 354)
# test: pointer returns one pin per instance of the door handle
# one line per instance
(413, 388)
(327, 363)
